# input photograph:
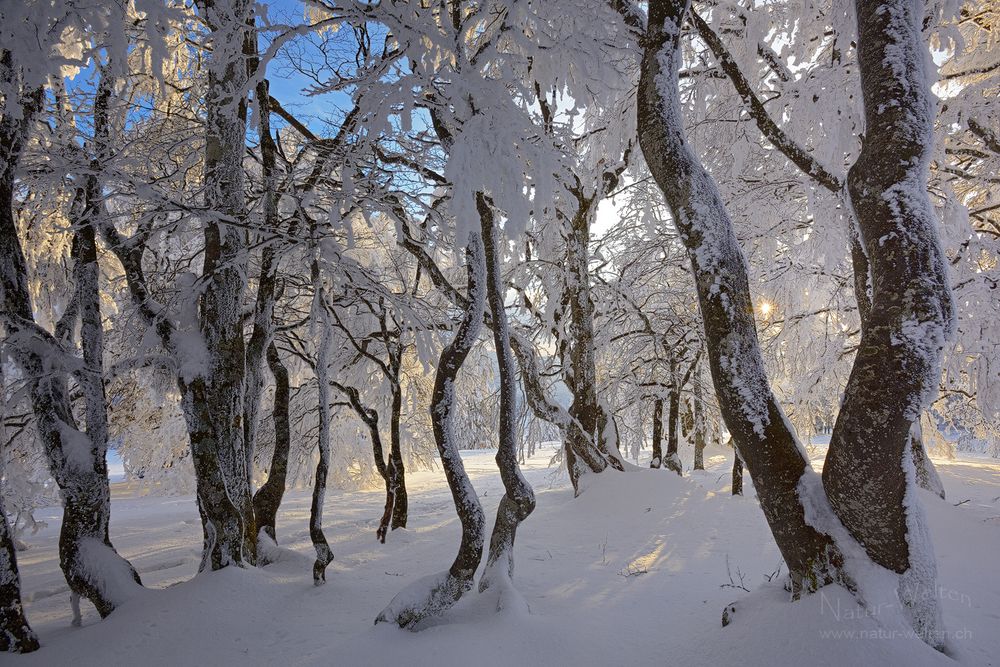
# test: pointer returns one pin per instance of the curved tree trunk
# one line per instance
(518, 500)
(759, 429)
(397, 472)
(435, 594)
(869, 475)
(76, 457)
(267, 500)
(323, 553)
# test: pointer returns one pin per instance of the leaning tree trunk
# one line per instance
(76, 457)
(267, 500)
(518, 500)
(869, 475)
(16, 635)
(434, 594)
(749, 408)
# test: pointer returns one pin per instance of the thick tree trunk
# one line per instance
(435, 594)
(518, 500)
(868, 474)
(213, 397)
(589, 443)
(657, 459)
(749, 408)
(267, 500)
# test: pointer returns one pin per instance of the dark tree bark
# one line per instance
(435, 594)
(762, 437)
(396, 479)
(16, 636)
(267, 500)
(700, 437)
(868, 474)
(267, 293)
(657, 460)
(737, 475)
(672, 460)
(518, 500)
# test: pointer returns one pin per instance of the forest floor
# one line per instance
(637, 570)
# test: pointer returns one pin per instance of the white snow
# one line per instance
(631, 572)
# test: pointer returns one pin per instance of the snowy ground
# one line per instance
(632, 572)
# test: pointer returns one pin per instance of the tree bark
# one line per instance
(700, 438)
(76, 457)
(16, 636)
(267, 500)
(737, 474)
(657, 460)
(323, 553)
(672, 459)
(868, 473)
(435, 594)
(213, 397)
(518, 500)
(762, 436)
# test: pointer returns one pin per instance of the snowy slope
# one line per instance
(632, 572)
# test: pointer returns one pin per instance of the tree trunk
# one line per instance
(737, 474)
(267, 500)
(868, 474)
(657, 460)
(518, 500)
(213, 396)
(435, 594)
(263, 316)
(748, 406)
(16, 636)
(323, 553)
(927, 475)
(590, 443)
(76, 457)
(397, 471)
(699, 425)
(672, 459)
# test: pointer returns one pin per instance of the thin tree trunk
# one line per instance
(759, 429)
(16, 636)
(700, 438)
(868, 474)
(267, 500)
(263, 316)
(435, 594)
(323, 553)
(672, 459)
(737, 474)
(397, 471)
(518, 500)
(657, 460)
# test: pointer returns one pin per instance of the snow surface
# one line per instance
(634, 571)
